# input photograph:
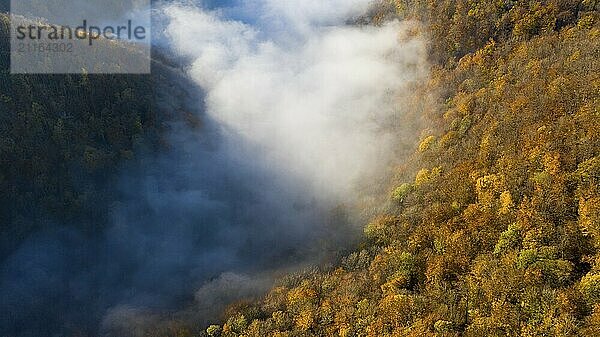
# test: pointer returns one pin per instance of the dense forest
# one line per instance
(492, 227)
(489, 227)
(63, 139)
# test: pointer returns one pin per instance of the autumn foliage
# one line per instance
(493, 226)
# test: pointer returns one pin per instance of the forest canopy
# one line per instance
(492, 227)
(63, 139)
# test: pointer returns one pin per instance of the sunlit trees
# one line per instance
(492, 226)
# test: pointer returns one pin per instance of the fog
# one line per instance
(315, 98)
(301, 113)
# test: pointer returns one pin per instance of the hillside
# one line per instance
(493, 225)
(63, 139)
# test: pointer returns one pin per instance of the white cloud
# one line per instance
(318, 102)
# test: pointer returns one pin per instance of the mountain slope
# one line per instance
(63, 139)
(493, 226)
